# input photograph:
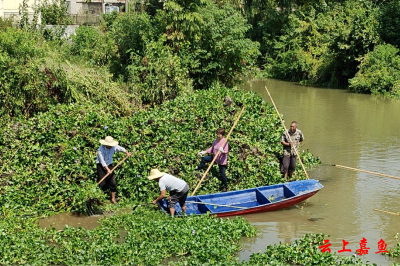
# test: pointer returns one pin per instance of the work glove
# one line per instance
(201, 153)
(221, 149)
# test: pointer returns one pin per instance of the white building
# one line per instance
(9, 8)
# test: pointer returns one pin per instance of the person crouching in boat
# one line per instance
(221, 160)
(290, 148)
(104, 164)
(178, 189)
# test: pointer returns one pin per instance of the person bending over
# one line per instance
(178, 189)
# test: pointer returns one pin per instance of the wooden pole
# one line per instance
(287, 133)
(215, 157)
(364, 171)
(219, 205)
(394, 213)
(112, 170)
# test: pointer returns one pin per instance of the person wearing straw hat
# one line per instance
(104, 164)
(290, 146)
(178, 189)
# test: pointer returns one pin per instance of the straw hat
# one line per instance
(155, 173)
(109, 141)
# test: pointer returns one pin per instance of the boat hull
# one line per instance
(271, 207)
(254, 200)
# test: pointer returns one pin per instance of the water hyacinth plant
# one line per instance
(145, 237)
(304, 251)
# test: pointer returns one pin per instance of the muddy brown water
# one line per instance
(59, 221)
(340, 127)
(359, 131)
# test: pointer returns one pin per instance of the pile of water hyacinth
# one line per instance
(48, 161)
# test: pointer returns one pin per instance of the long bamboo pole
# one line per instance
(394, 213)
(364, 171)
(215, 157)
(287, 133)
(112, 170)
(219, 205)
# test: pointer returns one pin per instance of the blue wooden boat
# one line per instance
(260, 199)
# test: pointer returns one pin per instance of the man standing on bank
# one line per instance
(178, 189)
(104, 164)
(290, 148)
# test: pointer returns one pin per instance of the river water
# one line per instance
(343, 128)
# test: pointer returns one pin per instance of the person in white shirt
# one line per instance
(104, 164)
(178, 189)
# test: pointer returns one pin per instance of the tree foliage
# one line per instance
(389, 22)
(211, 40)
(93, 45)
(158, 75)
(54, 12)
(379, 72)
(322, 43)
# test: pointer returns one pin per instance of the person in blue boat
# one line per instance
(178, 189)
(104, 164)
(290, 146)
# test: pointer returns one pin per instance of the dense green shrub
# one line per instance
(322, 42)
(299, 52)
(34, 74)
(26, 85)
(355, 35)
(210, 39)
(5, 23)
(108, 19)
(379, 72)
(267, 23)
(94, 45)
(130, 33)
(389, 22)
(49, 160)
(54, 12)
(158, 75)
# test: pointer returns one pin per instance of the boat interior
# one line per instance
(245, 198)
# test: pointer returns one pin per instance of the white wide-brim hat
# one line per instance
(109, 141)
(155, 173)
